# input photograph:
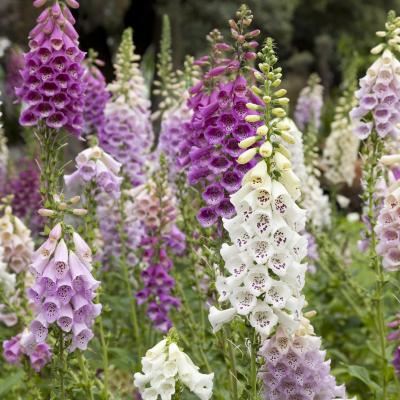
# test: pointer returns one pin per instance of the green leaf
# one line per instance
(7, 384)
(362, 374)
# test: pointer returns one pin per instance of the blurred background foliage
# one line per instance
(311, 35)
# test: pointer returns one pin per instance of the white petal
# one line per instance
(218, 318)
(243, 300)
(278, 294)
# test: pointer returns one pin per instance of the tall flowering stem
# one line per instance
(376, 118)
(264, 261)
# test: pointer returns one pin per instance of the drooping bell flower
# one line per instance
(53, 90)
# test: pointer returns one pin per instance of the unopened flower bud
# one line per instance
(252, 118)
(287, 137)
(377, 49)
(63, 206)
(267, 99)
(282, 163)
(45, 212)
(247, 156)
(80, 212)
(246, 143)
(75, 199)
(278, 112)
(282, 149)
(276, 82)
(252, 106)
(283, 101)
(256, 90)
(262, 130)
(283, 126)
(390, 159)
(280, 92)
(266, 149)
(381, 33)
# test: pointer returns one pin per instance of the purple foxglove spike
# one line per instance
(61, 260)
(65, 318)
(39, 328)
(51, 309)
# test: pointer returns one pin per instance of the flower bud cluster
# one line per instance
(341, 147)
(127, 133)
(53, 90)
(15, 238)
(165, 364)
(378, 99)
(94, 164)
(39, 354)
(295, 367)
(65, 289)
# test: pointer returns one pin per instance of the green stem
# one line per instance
(104, 349)
(232, 361)
(86, 382)
(253, 368)
(62, 364)
(372, 175)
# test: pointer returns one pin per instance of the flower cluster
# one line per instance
(309, 104)
(341, 147)
(295, 367)
(264, 261)
(15, 238)
(162, 366)
(96, 97)
(155, 207)
(378, 99)
(65, 288)
(24, 344)
(94, 164)
(127, 133)
(218, 125)
(26, 196)
(53, 89)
